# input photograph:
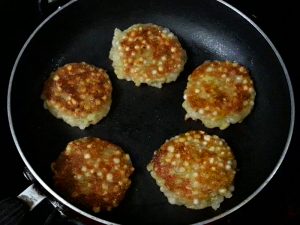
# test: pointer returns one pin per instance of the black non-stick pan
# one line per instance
(142, 118)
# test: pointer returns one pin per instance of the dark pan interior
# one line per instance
(141, 118)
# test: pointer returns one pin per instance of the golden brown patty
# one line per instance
(147, 53)
(219, 94)
(194, 169)
(93, 173)
(78, 93)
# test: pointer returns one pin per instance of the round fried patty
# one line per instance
(78, 93)
(93, 173)
(219, 94)
(147, 53)
(194, 169)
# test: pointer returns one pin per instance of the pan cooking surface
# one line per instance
(142, 118)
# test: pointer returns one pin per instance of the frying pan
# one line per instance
(141, 118)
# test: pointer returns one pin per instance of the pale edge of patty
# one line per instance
(118, 65)
(174, 200)
(81, 122)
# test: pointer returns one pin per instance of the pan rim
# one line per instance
(88, 215)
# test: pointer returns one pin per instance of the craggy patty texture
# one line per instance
(93, 173)
(219, 94)
(147, 53)
(78, 93)
(194, 169)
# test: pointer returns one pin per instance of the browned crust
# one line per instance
(220, 89)
(78, 89)
(93, 173)
(195, 165)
